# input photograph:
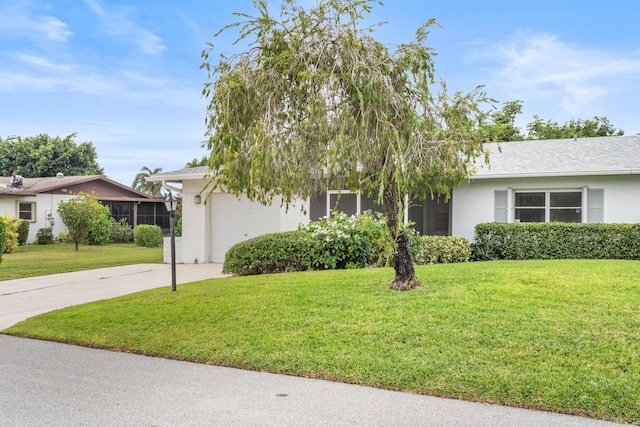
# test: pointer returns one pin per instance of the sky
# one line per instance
(125, 75)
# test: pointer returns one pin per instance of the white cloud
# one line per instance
(541, 65)
(118, 22)
(52, 28)
(17, 22)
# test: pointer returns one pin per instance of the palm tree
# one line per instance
(204, 161)
(140, 183)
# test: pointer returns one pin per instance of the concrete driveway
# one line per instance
(24, 298)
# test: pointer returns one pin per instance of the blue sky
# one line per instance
(125, 74)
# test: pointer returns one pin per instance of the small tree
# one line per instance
(79, 215)
(316, 101)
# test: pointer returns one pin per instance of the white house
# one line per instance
(37, 201)
(581, 180)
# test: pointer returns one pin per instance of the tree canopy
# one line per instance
(42, 156)
(316, 102)
(501, 126)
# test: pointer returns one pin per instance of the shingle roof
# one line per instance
(613, 155)
(33, 186)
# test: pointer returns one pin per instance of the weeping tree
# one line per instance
(316, 102)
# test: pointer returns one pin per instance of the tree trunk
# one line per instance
(402, 262)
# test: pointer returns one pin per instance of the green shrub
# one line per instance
(556, 240)
(2, 232)
(178, 226)
(10, 233)
(443, 249)
(147, 236)
(270, 253)
(121, 231)
(45, 236)
(23, 232)
(100, 232)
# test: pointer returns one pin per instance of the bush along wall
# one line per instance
(556, 240)
(442, 249)
(338, 242)
(270, 253)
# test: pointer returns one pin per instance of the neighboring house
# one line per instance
(583, 180)
(37, 202)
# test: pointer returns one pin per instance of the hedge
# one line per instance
(147, 236)
(443, 249)
(270, 253)
(2, 231)
(556, 240)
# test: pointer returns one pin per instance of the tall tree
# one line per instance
(598, 126)
(502, 123)
(140, 182)
(42, 156)
(316, 101)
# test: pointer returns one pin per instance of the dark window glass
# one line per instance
(565, 215)
(524, 200)
(530, 215)
(347, 203)
(566, 200)
(25, 211)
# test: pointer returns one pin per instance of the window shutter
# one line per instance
(500, 207)
(596, 206)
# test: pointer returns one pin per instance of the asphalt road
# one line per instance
(51, 384)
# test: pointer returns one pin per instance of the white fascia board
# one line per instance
(556, 174)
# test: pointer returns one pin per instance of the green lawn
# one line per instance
(562, 336)
(38, 260)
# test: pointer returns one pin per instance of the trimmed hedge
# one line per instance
(443, 249)
(23, 232)
(147, 236)
(2, 231)
(556, 240)
(270, 253)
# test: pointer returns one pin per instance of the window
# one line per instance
(27, 211)
(548, 206)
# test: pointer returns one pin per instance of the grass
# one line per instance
(38, 260)
(562, 336)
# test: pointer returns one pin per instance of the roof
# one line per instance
(614, 155)
(611, 155)
(200, 172)
(34, 186)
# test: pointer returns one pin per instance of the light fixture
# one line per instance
(197, 199)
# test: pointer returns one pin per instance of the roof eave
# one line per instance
(556, 174)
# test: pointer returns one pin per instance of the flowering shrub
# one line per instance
(80, 214)
(343, 241)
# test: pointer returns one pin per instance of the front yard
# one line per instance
(562, 335)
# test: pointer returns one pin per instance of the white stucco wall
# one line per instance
(45, 204)
(473, 203)
(222, 220)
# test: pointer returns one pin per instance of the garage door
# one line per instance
(234, 220)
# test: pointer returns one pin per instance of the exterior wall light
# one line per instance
(197, 199)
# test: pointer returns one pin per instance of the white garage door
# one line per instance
(234, 220)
